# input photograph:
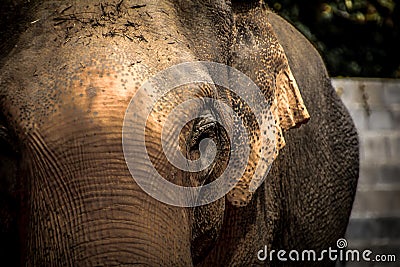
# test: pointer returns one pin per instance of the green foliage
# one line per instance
(355, 37)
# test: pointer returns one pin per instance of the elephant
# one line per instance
(69, 70)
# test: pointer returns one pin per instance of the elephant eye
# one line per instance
(204, 127)
(208, 143)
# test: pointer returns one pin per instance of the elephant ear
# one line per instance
(257, 53)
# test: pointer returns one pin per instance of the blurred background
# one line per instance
(360, 43)
(355, 37)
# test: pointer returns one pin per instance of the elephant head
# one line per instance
(65, 89)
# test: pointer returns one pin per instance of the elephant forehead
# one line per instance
(97, 94)
(101, 83)
(47, 87)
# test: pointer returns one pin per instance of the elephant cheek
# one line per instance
(208, 220)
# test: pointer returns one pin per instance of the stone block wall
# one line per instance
(374, 105)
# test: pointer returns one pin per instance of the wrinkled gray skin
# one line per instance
(67, 197)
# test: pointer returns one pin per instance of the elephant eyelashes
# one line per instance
(208, 140)
(204, 127)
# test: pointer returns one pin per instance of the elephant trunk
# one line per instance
(85, 208)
